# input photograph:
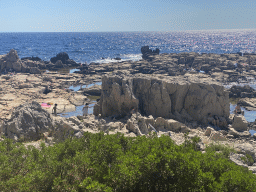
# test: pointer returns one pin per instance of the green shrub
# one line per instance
(98, 162)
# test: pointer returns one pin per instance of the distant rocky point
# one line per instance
(12, 63)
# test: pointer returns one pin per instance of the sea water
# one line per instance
(86, 47)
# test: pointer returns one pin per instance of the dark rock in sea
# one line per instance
(117, 58)
(63, 56)
(146, 52)
(31, 58)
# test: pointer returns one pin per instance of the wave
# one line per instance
(121, 58)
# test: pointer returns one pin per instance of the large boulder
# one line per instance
(7, 61)
(12, 56)
(185, 98)
(35, 70)
(146, 52)
(11, 62)
(240, 123)
(93, 90)
(63, 56)
(28, 121)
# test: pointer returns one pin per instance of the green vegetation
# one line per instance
(248, 159)
(117, 163)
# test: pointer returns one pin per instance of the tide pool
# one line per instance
(250, 116)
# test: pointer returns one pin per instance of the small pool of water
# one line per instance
(78, 111)
(250, 116)
(73, 70)
(76, 88)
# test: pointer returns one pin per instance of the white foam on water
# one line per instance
(124, 57)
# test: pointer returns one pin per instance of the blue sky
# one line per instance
(125, 15)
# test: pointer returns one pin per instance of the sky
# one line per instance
(125, 15)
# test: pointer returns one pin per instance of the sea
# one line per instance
(103, 47)
(87, 47)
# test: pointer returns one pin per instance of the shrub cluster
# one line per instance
(117, 163)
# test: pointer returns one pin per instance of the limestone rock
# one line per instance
(117, 98)
(133, 126)
(35, 70)
(160, 124)
(63, 129)
(93, 90)
(209, 131)
(245, 134)
(76, 121)
(183, 98)
(28, 121)
(12, 56)
(246, 148)
(240, 123)
(173, 125)
(236, 158)
(218, 137)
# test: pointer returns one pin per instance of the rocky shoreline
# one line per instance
(172, 92)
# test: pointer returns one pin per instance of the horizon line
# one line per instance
(124, 31)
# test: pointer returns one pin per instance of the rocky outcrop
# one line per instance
(11, 62)
(146, 52)
(242, 91)
(248, 103)
(240, 123)
(182, 98)
(64, 58)
(93, 90)
(28, 121)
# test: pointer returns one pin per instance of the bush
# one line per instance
(116, 163)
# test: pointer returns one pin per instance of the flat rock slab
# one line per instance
(248, 102)
(63, 105)
(8, 97)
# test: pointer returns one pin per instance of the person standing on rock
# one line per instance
(238, 110)
(85, 109)
(54, 109)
